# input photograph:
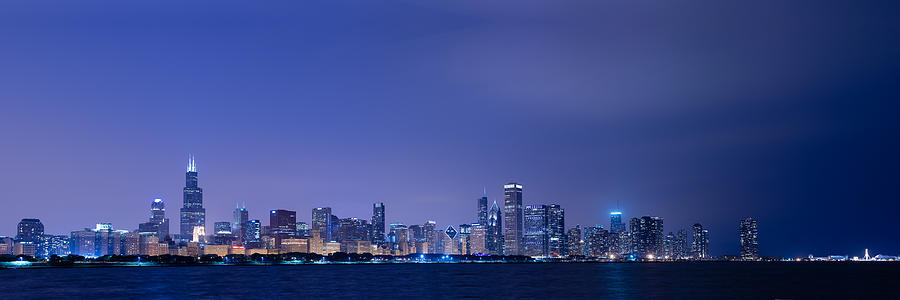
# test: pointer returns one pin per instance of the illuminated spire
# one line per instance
(484, 192)
(192, 165)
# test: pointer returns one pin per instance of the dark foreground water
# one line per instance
(425, 281)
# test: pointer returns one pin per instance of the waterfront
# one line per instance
(789, 280)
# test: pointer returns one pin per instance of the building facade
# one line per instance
(537, 238)
(192, 213)
(513, 225)
(749, 239)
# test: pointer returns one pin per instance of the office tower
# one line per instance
(440, 237)
(591, 235)
(749, 239)
(481, 212)
(576, 245)
(681, 244)
(222, 234)
(192, 214)
(352, 229)
(451, 243)
(556, 231)
(417, 234)
(254, 234)
(669, 245)
(647, 236)
(158, 223)
(283, 223)
(399, 239)
(302, 230)
(700, 245)
(321, 222)
(6, 245)
(494, 237)
(615, 222)
(537, 239)
(513, 227)
(30, 230)
(378, 223)
(477, 239)
(54, 245)
(598, 239)
(465, 233)
(240, 223)
(430, 237)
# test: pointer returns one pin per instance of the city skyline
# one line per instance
(686, 113)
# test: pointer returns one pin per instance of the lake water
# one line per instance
(425, 281)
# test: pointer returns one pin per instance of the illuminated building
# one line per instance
(254, 234)
(417, 235)
(240, 223)
(331, 247)
(647, 236)
(481, 212)
(53, 245)
(220, 250)
(223, 233)
(513, 227)
(30, 230)
(615, 222)
(596, 241)
(537, 238)
(398, 238)
(556, 231)
(478, 239)
(321, 222)
(576, 244)
(282, 225)
(700, 244)
(494, 231)
(430, 237)
(302, 229)
(378, 223)
(192, 214)
(451, 243)
(749, 239)
(316, 243)
(356, 246)
(6, 245)
(295, 245)
(25, 248)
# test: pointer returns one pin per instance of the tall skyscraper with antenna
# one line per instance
(192, 214)
(482, 211)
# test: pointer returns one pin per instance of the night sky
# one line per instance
(695, 111)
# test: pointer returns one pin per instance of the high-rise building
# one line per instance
(430, 237)
(647, 236)
(576, 244)
(537, 238)
(477, 239)
(54, 245)
(29, 230)
(378, 223)
(192, 214)
(597, 244)
(481, 212)
(682, 247)
(615, 222)
(494, 234)
(513, 225)
(302, 229)
(222, 234)
(321, 222)
(556, 231)
(451, 243)
(700, 244)
(749, 239)
(254, 234)
(592, 235)
(399, 239)
(158, 223)
(417, 234)
(240, 223)
(283, 222)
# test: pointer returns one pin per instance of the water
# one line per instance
(554, 281)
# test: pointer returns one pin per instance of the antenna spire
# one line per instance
(484, 192)
(192, 165)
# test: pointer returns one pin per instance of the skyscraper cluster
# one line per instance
(513, 229)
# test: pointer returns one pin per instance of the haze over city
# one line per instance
(687, 113)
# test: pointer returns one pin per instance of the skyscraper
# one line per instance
(192, 214)
(494, 231)
(647, 236)
(378, 223)
(254, 233)
(430, 237)
(240, 223)
(158, 223)
(576, 245)
(749, 239)
(29, 230)
(537, 238)
(482, 209)
(556, 231)
(513, 227)
(615, 222)
(282, 225)
(321, 222)
(700, 244)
